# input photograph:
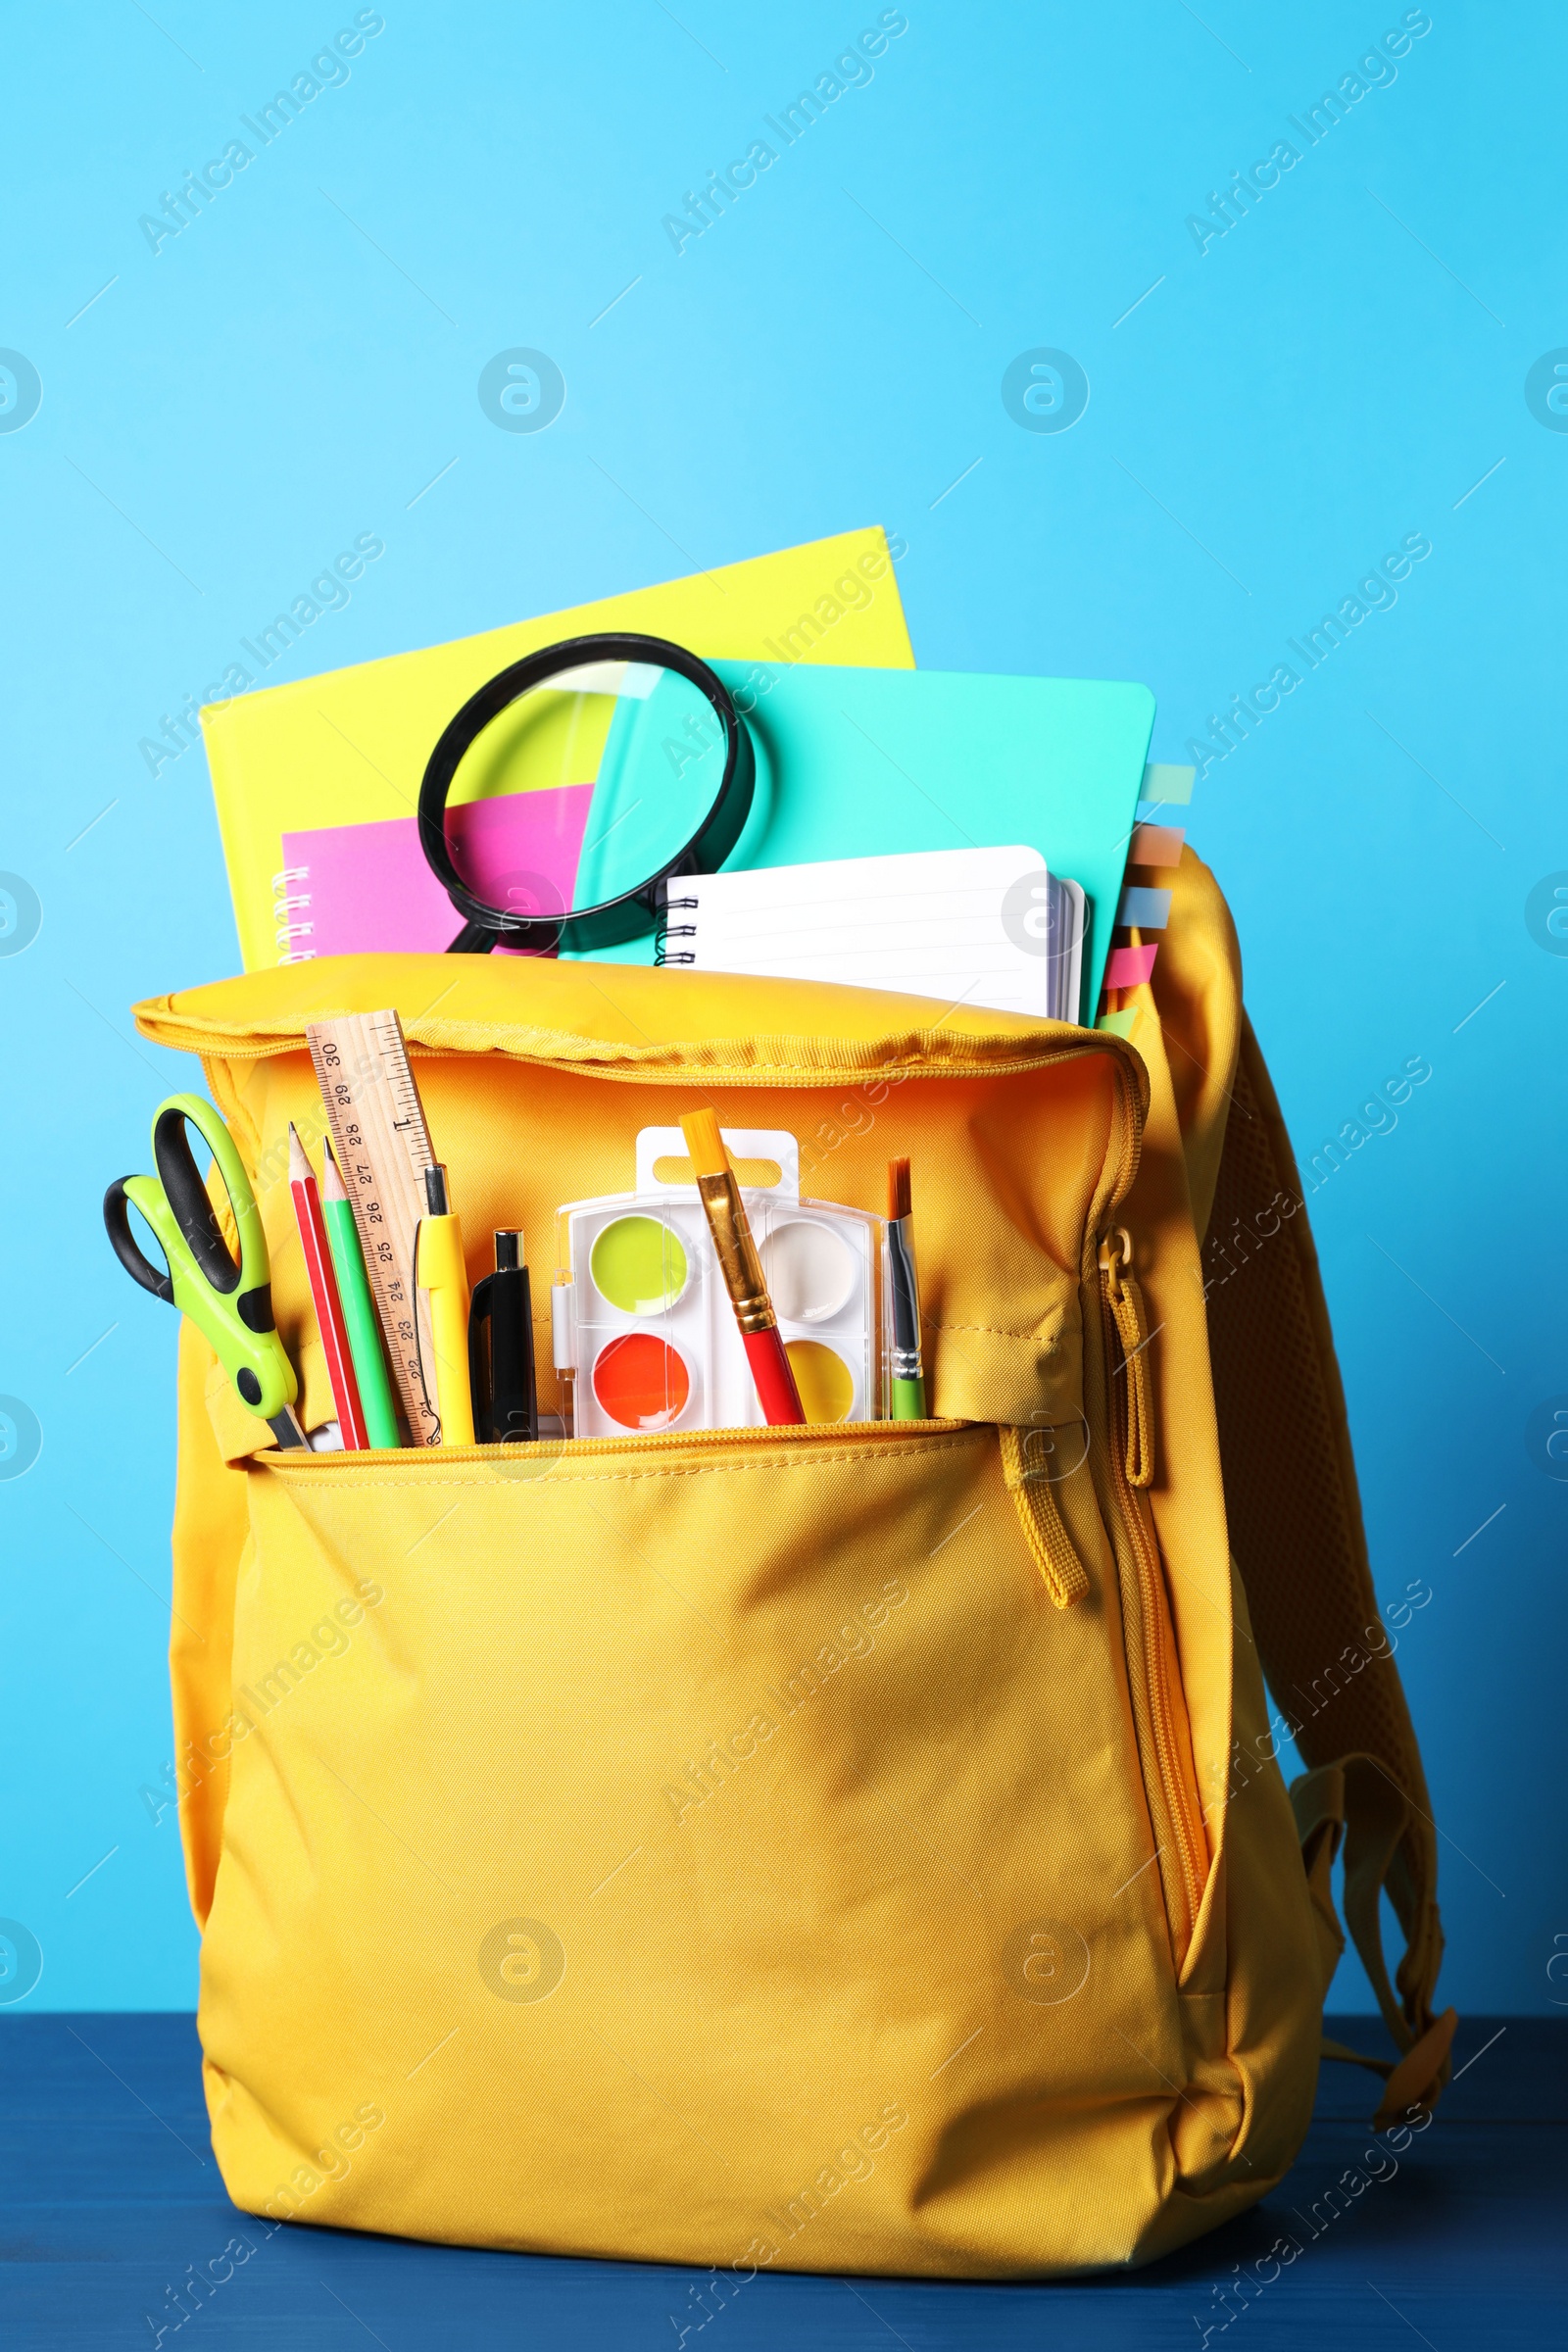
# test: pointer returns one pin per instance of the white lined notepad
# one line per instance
(975, 927)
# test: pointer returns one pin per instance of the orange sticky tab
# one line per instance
(1156, 845)
(1125, 967)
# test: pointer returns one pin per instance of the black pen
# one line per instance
(500, 1375)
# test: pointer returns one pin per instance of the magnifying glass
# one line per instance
(572, 788)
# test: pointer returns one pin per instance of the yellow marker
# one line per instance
(440, 1273)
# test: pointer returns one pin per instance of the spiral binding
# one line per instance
(665, 931)
(284, 903)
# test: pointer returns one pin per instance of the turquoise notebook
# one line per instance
(857, 762)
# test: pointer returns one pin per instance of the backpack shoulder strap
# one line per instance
(1297, 1532)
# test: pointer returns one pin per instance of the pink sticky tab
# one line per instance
(1125, 967)
(1156, 845)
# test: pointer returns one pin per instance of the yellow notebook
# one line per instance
(350, 747)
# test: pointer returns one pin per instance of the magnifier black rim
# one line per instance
(635, 910)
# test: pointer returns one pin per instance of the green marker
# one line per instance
(358, 1308)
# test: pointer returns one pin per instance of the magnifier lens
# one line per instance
(584, 787)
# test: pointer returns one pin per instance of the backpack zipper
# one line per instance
(1160, 1712)
(505, 1459)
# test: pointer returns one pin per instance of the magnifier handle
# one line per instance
(477, 939)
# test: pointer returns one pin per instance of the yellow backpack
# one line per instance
(853, 1849)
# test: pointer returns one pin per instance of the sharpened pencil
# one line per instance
(358, 1307)
(324, 1297)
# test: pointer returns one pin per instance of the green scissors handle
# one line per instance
(230, 1305)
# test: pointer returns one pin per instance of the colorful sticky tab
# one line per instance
(1156, 845)
(1148, 910)
(1127, 967)
(1121, 1025)
(1174, 785)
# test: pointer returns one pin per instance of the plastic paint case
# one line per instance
(647, 1323)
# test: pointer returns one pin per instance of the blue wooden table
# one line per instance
(110, 2204)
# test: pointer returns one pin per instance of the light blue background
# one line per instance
(1340, 368)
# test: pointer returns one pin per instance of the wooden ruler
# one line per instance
(383, 1149)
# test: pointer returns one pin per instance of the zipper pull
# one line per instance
(1126, 1303)
(1061, 1571)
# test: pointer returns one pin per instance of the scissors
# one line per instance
(230, 1305)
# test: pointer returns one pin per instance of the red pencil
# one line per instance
(325, 1295)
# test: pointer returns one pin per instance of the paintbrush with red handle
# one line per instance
(741, 1269)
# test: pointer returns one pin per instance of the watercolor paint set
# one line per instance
(645, 1332)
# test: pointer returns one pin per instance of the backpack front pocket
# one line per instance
(767, 1845)
(745, 1798)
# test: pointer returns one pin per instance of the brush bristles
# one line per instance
(898, 1188)
(704, 1142)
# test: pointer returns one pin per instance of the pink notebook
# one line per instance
(355, 890)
